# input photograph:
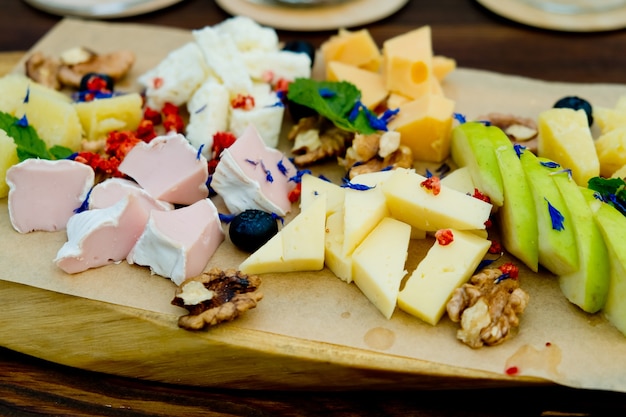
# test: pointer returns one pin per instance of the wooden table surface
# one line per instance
(462, 29)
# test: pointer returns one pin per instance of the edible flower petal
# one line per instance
(556, 217)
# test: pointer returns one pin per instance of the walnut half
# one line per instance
(488, 308)
(216, 296)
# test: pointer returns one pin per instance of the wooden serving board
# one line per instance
(109, 338)
(311, 331)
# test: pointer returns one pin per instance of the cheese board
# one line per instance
(311, 330)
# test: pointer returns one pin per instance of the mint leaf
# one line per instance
(611, 190)
(332, 100)
(60, 152)
(29, 144)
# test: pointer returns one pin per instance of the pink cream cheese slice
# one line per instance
(103, 236)
(169, 168)
(44, 194)
(112, 190)
(251, 175)
(178, 244)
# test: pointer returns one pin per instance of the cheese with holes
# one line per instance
(299, 246)
(425, 126)
(251, 175)
(378, 263)
(178, 244)
(169, 168)
(407, 63)
(411, 203)
(444, 268)
(101, 237)
(44, 195)
(356, 48)
(371, 85)
(442, 66)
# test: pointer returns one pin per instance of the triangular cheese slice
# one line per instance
(378, 263)
(299, 246)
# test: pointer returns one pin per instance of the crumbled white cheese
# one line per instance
(209, 112)
(176, 78)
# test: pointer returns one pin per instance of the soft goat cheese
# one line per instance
(100, 237)
(43, 194)
(169, 168)
(112, 190)
(178, 244)
(249, 176)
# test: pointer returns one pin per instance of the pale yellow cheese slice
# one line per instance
(444, 268)
(411, 203)
(299, 246)
(334, 258)
(379, 263)
(314, 187)
(363, 209)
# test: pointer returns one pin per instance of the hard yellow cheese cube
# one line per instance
(48, 111)
(611, 150)
(371, 85)
(425, 127)
(411, 203)
(442, 66)
(407, 63)
(354, 48)
(444, 268)
(8, 158)
(299, 246)
(378, 263)
(565, 137)
(99, 117)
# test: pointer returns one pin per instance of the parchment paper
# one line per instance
(556, 340)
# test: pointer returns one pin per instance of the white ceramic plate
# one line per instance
(323, 17)
(102, 9)
(521, 12)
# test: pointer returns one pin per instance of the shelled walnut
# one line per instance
(215, 297)
(68, 69)
(488, 308)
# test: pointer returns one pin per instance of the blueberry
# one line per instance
(251, 229)
(301, 46)
(94, 81)
(576, 103)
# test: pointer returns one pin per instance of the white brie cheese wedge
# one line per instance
(178, 244)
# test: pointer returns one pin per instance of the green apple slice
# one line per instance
(517, 217)
(472, 147)
(557, 243)
(612, 225)
(587, 287)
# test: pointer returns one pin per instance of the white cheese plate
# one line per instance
(311, 330)
(100, 9)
